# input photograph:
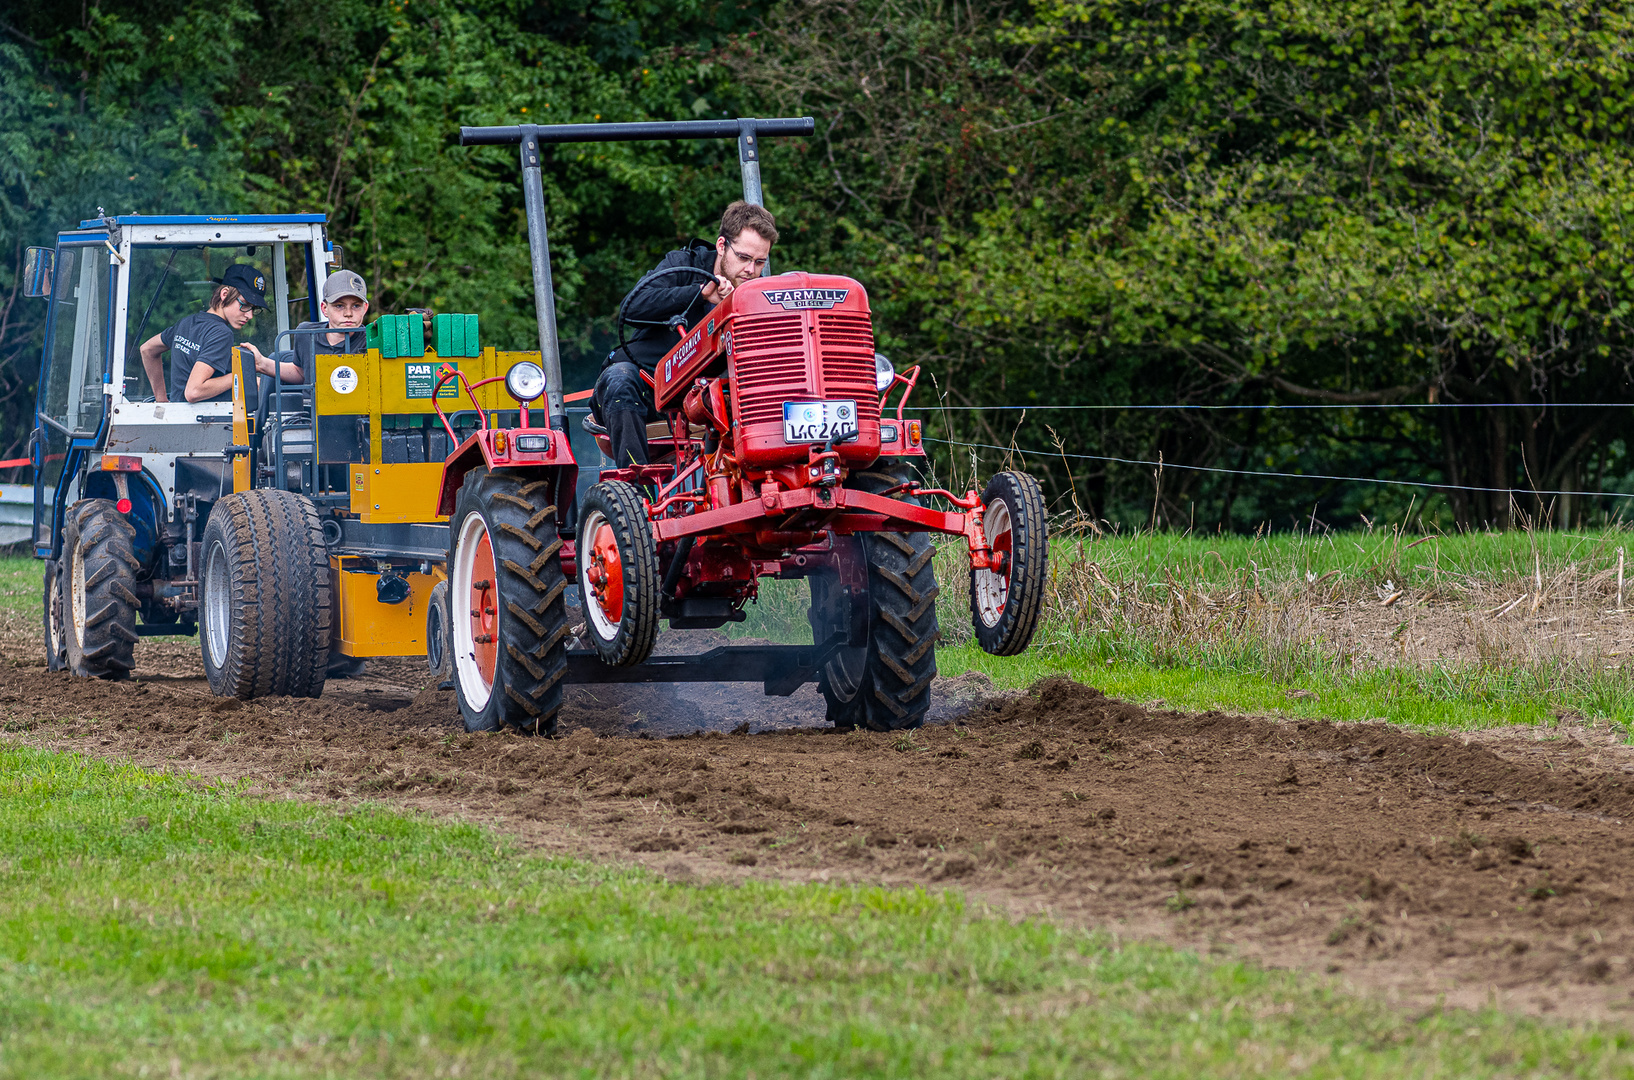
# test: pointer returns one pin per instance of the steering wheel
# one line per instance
(645, 282)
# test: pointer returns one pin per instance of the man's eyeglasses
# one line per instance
(759, 264)
(251, 308)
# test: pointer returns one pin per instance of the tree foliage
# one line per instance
(1067, 202)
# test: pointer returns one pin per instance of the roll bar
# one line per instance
(531, 137)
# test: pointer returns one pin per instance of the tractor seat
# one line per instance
(658, 436)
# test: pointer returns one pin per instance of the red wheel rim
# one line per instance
(990, 586)
(484, 610)
(1002, 563)
(606, 574)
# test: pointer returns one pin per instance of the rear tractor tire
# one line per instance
(507, 619)
(618, 574)
(439, 644)
(267, 597)
(1005, 603)
(98, 598)
(883, 685)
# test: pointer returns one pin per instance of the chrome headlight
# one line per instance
(525, 380)
(884, 373)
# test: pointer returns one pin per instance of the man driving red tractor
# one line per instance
(623, 399)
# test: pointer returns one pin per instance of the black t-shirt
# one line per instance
(205, 338)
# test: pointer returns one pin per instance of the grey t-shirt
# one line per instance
(204, 338)
(307, 346)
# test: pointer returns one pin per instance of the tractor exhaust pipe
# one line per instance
(747, 131)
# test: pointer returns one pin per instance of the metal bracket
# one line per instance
(783, 669)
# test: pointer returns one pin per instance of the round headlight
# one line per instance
(525, 380)
(884, 373)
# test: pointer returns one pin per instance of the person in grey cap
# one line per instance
(201, 368)
(344, 306)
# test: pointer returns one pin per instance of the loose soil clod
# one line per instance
(1481, 869)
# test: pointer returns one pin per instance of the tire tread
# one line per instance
(103, 537)
(527, 561)
(281, 596)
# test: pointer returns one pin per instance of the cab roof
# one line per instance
(207, 219)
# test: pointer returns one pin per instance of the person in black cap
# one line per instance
(344, 306)
(202, 367)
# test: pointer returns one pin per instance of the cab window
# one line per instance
(79, 314)
(170, 283)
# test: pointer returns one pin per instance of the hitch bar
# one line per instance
(782, 668)
(641, 131)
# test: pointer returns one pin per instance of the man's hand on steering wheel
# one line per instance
(717, 290)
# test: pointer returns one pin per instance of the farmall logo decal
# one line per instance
(806, 299)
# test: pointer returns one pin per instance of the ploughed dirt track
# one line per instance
(1474, 870)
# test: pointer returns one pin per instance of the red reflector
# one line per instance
(121, 463)
(123, 505)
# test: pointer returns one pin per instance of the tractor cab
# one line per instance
(113, 283)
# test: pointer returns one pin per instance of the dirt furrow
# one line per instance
(1474, 870)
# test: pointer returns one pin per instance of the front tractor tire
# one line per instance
(883, 685)
(54, 629)
(618, 574)
(1005, 603)
(507, 616)
(98, 602)
(266, 599)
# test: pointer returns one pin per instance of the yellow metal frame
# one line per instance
(366, 627)
(380, 492)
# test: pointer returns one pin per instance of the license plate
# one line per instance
(818, 421)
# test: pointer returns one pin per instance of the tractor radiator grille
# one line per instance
(847, 343)
(769, 353)
(778, 359)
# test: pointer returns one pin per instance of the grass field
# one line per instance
(20, 586)
(1198, 622)
(1121, 618)
(1355, 558)
(155, 926)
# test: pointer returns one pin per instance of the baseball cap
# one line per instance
(249, 282)
(344, 283)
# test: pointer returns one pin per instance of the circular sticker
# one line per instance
(343, 379)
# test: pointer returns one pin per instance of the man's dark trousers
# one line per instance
(623, 404)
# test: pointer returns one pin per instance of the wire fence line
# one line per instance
(1280, 475)
(1272, 408)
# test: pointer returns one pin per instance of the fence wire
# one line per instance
(1057, 455)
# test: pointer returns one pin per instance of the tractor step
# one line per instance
(782, 668)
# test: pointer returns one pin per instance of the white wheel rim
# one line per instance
(993, 590)
(76, 592)
(605, 630)
(473, 686)
(217, 604)
(53, 607)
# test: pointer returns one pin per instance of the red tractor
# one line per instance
(783, 455)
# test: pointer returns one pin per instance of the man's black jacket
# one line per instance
(671, 295)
